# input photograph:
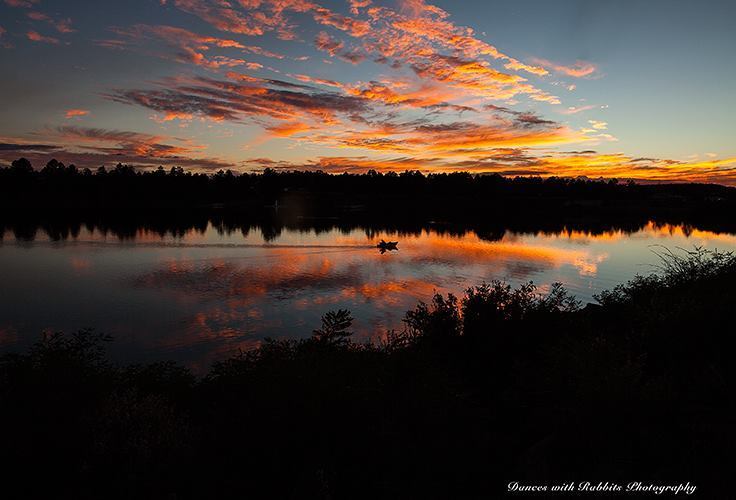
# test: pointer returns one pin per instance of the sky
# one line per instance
(625, 89)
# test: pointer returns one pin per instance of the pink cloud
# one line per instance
(26, 4)
(578, 70)
(572, 110)
(62, 25)
(38, 16)
(326, 43)
(320, 81)
(34, 36)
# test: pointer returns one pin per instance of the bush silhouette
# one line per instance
(503, 384)
(334, 331)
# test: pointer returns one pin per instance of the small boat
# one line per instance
(387, 245)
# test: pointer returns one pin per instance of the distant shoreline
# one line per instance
(63, 192)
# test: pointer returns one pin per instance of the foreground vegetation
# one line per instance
(500, 385)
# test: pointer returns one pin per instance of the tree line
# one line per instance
(125, 182)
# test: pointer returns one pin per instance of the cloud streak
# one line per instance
(35, 36)
(92, 147)
(75, 113)
(241, 98)
(579, 69)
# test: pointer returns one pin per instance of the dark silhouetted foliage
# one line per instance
(334, 331)
(467, 198)
(500, 385)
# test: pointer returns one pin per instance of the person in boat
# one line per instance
(387, 245)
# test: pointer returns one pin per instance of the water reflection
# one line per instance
(202, 291)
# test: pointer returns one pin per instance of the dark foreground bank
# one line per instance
(500, 385)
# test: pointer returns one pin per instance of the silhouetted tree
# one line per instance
(21, 166)
(335, 328)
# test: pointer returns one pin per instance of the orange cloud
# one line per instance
(504, 128)
(419, 8)
(261, 16)
(477, 77)
(72, 113)
(425, 96)
(222, 16)
(184, 46)
(246, 97)
(443, 69)
(356, 5)
(526, 162)
(413, 36)
(619, 165)
(326, 43)
(320, 81)
(259, 50)
(354, 27)
(287, 129)
(453, 140)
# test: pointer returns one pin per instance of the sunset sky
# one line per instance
(627, 89)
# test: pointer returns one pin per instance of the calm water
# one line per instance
(199, 296)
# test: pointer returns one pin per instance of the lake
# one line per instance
(199, 294)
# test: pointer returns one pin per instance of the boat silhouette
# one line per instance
(387, 245)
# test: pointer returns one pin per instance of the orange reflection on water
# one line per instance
(80, 264)
(668, 231)
(266, 288)
(433, 247)
(649, 231)
(209, 292)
